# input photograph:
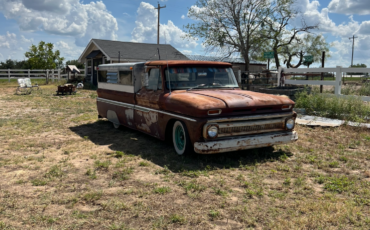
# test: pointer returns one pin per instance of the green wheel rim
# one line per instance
(180, 138)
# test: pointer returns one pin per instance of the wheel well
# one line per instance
(168, 134)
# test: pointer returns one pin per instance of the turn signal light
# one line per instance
(286, 107)
(214, 112)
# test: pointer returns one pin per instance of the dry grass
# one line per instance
(62, 168)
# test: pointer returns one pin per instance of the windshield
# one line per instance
(200, 77)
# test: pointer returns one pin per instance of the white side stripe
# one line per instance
(140, 108)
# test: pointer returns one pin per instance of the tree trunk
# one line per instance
(246, 59)
(276, 57)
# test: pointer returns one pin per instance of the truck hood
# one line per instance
(197, 102)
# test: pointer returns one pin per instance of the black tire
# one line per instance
(116, 126)
(180, 139)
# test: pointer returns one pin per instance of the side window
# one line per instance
(154, 81)
(102, 76)
(112, 77)
(125, 77)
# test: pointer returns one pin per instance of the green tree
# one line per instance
(14, 64)
(306, 45)
(43, 57)
(8, 64)
(232, 26)
(76, 63)
(358, 66)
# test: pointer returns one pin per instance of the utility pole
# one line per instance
(353, 47)
(159, 11)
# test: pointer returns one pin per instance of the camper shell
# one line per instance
(196, 104)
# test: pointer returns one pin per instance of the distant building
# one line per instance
(106, 51)
(238, 63)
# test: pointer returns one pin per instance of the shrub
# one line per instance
(325, 105)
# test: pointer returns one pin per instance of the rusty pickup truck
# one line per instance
(198, 105)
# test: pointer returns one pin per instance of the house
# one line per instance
(238, 63)
(100, 51)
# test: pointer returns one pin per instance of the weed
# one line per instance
(338, 184)
(240, 178)
(91, 174)
(334, 164)
(102, 165)
(179, 219)
(214, 214)
(20, 181)
(219, 191)
(343, 158)
(143, 164)
(287, 181)
(119, 154)
(55, 171)
(92, 196)
(299, 181)
(320, 179)
(79, 215)
(351, 109)
(164, 171)
(162, 190)
(123, 174)
(193, 186)
(120, 226)
(38, 182)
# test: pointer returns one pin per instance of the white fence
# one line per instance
(337, 83)
(54, 74)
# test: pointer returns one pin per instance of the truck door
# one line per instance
(147, 103)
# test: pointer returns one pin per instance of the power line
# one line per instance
(159, 11)
(353, 47)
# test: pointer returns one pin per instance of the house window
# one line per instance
(125, 77)
(154, 79)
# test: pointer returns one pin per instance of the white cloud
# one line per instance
(68, 50)
(25, 40)
(183, 17)
(12, 47)
(8, 41)
(341, 49)
(146, 29)
(186, 51)
(348, 7)
(64, 17)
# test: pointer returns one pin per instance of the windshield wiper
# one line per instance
(196, 87)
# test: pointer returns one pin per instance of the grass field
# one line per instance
(62, 168)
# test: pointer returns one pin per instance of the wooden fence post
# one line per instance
(58, 74)
(29, 73)
(52, 72)
(9, 75)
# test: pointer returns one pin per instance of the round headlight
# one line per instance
(290, 124)
(212, 131)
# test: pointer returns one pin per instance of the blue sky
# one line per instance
(70, 24)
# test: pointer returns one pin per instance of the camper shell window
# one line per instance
(125, 77)
(112, 77)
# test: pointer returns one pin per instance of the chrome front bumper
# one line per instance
(249, 142)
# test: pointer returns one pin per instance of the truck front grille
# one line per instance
(250, 128)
